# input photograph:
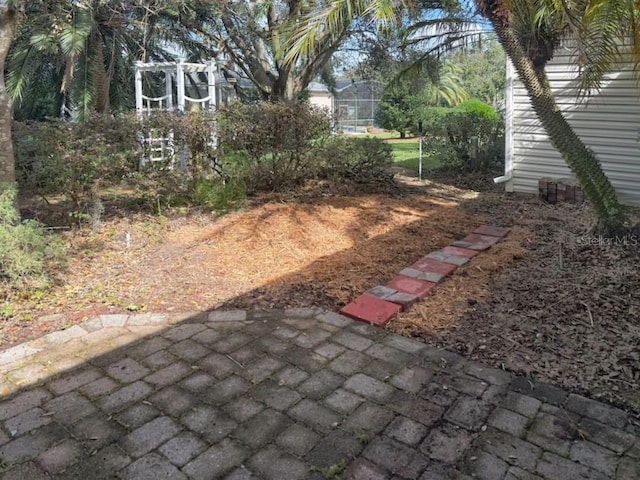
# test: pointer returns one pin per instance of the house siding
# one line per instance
(608, 122)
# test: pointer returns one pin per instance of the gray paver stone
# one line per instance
(149, 436)
(316, 416)
(26, 447)
(274, 464)
(275, 396)
(137, 415)
(416, 408)
(173, 401)
(243, 408)
(395, 457)
(169, 374)
(336, 448)
(597, 411)
(362, 469)
(73, 380)
(606, 436)
(447, 443)
(69, 408)
(26, 421)
(369, 387)
(291, 376)
(552, 466)
(216, 461)
(411, 379)
(198, 382)
(352, 340)
(261, 369)
(485, 466)
(368, 418)
(182, 448)
(209, 423)
(628, 469)
(468, 412)
(26, 470)
(552, 433)
(334, 319)
(298, 439)
(349, 362)
(60, 457)
(343, 401)
(594, 456)
(227, 389)
(541, 391)
(189, 350)
(96, 431)
(311, 338)
(153, 467)
(126, 395)
(406, 430)
(516, 473)
(522, 404)
(329, 350)
(508, 421)
(261, 428)
(510, 449)
(218, 365)
(320, 384)
(227, 316)
(390, 355)
(23, 402)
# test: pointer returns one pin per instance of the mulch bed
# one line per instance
(548, 301)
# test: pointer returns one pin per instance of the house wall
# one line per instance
(608, 122)
(321, 99)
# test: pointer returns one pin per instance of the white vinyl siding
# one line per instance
(608, 122)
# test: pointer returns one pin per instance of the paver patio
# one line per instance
(287, 395)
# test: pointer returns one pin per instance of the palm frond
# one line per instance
(73, 36)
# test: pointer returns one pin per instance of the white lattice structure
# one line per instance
(159, 148)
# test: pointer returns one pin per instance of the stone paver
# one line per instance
(301, 394)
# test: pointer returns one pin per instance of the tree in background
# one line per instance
(78, 56)
(253, 36)
(481, 70)
(9, 11)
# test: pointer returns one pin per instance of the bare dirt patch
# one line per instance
(567, 315)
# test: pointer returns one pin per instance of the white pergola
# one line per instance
(161, 149)
(175, 86)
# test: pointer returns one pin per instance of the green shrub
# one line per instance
(273, 142)
(474, 133)
(218, 195)
(356, 159)
(60, 158)
(25, 248)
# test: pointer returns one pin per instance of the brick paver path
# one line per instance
(287, 395)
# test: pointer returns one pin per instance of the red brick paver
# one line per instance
(492, 231)
(462, 252)
(371, 310)
(413, 286)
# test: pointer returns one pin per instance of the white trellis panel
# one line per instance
(159, 148)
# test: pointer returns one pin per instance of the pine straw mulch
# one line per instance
(574, 322)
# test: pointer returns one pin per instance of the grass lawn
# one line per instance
(405, 154)
(405, 151)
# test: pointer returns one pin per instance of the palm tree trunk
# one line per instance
(8, 20)
(579, 158)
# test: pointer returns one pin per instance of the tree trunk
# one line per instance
(8, 19)
(579, 158)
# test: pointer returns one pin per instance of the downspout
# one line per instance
(508, 135)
